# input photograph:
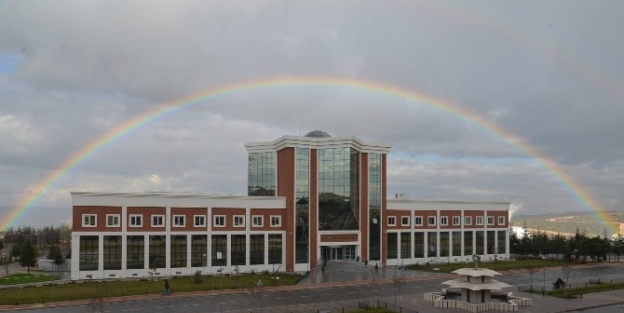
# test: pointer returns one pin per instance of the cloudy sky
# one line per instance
(549, 73)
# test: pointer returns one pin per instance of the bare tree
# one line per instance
(532, 271)
(96, 302)
(567, 270)
(399, 285)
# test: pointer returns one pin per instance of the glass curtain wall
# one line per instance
(338, 189)
(157, 251)
(302, 198)
(406, 245)
(261, 174)
(112, 252)
(374, 206)
(238, 246)
(89, 253)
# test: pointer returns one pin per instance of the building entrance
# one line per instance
(338, 252)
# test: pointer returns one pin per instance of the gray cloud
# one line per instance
(549, 75)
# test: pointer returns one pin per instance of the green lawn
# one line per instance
(23, 278)
(494, 265)
(576, 292)
(87, 290)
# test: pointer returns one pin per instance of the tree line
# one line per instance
(27, 244)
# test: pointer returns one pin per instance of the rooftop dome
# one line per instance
(317, 134)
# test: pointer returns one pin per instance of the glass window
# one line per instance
(502, 242)
(431, 221)
(405, 221)
(392, 246)
(157, 251)
(391, 221)
(432, 242)
(238, 248)
(468, 243)
(257, 220)
(261, 174)
(468, 220)
(480, 242)
(501, 220)
(456, 220)
(200, 220)
(338, 189)
(158, 220)
(275, 249)
(112, 220)
(276, 221)
(256, 249)
(178, 220)
(219, 221)
(135, 249)
(199, 250)
(444, 244)
(490, 220)
(491, 242)
(479, 220)
(89, 220)
(418, 221)
(239, 221)
(178, 251)
(89, 253)
(406, 245)
(419, 245)
(136, 220)
(112, 252)
(457, 243)
(219, 250)
(443, 220)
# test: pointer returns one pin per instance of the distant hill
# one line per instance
(566, 223)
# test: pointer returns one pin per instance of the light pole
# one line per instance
(203, 269)
(260, 285)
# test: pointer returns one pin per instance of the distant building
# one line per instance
(309, 198)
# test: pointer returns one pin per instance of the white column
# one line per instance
(100, 256)
(208, 238)
(188, 253)
(167, 241)
(124, 242)
(75, 260)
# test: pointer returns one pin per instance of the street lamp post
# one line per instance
(260, 285)
(203, 269)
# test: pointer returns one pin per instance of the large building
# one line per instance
(309, 198)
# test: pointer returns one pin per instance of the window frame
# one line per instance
(117, 224)
(132, 220)
(203, 220)
(456, 220)
(467, 220)
(391, 220)
(94, 216)
(404, 219)
(279, 221)
(176, 219)
(416, 221)
(501, 218)
(159, 216)
(429, 219)
(479, 220)
(236, 222)
(260, 218)
(216, 220)
(443, 220)
(490, 220)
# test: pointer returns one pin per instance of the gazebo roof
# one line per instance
(488, 285)
(476, 272)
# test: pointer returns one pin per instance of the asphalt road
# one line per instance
(322, 298)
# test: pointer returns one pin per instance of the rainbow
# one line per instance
(140, 120)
